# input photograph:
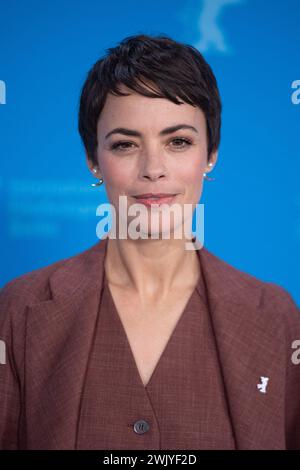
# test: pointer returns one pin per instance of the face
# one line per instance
(151, 162)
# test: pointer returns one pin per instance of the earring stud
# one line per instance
(207, 177)
(100, 181)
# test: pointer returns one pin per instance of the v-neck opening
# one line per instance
(167, 345)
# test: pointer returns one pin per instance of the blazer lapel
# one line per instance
(58, 341)
(248, 350)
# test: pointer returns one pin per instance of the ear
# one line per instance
(91, 165)
(213, 159)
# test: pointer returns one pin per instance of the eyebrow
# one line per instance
(167, 130)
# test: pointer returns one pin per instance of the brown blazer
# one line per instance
(47, 317)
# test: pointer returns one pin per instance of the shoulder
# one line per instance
(41, 286)
(238, 286)
(34, 286)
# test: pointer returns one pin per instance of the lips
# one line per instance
(153, 195)
(155, 199)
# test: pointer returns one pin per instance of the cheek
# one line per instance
(191, 177)
(116, 175)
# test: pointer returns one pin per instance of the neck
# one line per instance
(151, 267)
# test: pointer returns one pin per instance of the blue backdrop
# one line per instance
(252, 209)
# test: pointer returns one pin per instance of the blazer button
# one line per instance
(141, 426)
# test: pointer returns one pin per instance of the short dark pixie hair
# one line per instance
(176, 70)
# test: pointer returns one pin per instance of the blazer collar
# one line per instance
(60, 331)
(85, 271)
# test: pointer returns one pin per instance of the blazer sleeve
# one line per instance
(292, 385)
(12, 318)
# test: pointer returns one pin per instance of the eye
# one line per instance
(117, 145)
(182, 140)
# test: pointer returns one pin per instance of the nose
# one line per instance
(153, 176)
(153, 167)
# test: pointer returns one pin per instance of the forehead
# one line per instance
(138, 111)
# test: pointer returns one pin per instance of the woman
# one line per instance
(139, 342)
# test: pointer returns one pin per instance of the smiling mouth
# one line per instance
(155, 200)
